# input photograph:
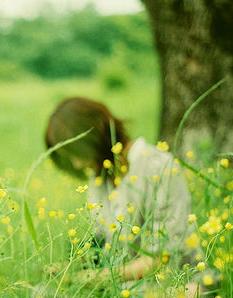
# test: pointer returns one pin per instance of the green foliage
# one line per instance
(74, 45)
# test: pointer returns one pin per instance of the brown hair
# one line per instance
(74, 116)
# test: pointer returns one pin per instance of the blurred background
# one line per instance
(50, 50)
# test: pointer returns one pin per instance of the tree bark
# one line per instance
(195, 43)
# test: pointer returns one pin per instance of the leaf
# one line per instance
(30, 225)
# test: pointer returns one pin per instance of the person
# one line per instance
(133, 180)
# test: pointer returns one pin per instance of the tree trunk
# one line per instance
(195, 43)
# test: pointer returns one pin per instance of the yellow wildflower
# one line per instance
(91, 206)
(5, 220)
(192, 241)
(122, 237)
(201, 266)
(82, 188)
(75, 240)
(52, 213)
(212, 226)
(165, 257)
(204, 243)
(123, 169)
(198, 257)
(107, 164)
(222, 239)
(80, 251)
(98, 181)
(130, 208)
(192, 218)
(190, 154)
(120, 218)
(162, 146)
(229, 185)
(42, 202)
(3, 193)
(155, 178)
(207, 280)
(71, 216)
(219, 263)
(133, 178)
(72, 232)
(136, 230)
(87, 246)
(117, 148)
(107, 246)
(117, 181)
(227, 199)
(112, 227)
(228, 226)
(125, 293)
(224, 162)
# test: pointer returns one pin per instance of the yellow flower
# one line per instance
(165, 257)
(133, 178)
(98, 181)
(3, 193)
(117, 148)
(82, 188)
(204, 243)
(162, 146)
(120, 218)
(41, 213)
(201, 266)
(225, 215)
(212, 226)
(207, 280)
(192, 241)
(123, 169)
(107, 246)
(198, 257)
(42, 202)
(5, 220)
(122, 237)
(189, 154)
(71, 216)
(91, 206)
(125, 293)
(192, 218)
(219, 263)
(87, 246)
(117, 181)
(130, 208)
(52, 213)
(136, 230)
(229, 185)
(112, 227)
(72, 232)
(75, 240)
(228, 226)
(80, 251)
(222, 239)
(224, 162)
(107, 164)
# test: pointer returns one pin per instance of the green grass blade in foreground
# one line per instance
(42, 157)
(189, 111)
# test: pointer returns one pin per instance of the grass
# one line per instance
(65, 224)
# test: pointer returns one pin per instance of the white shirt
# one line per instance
(161, 206)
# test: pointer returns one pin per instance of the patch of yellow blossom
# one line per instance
(201, 266)
(136, 230)
(227, 199)
(130, 208)
(165, 257)
(112, 227)
(190, 154)
(198, 257)
(91, 206)
(71, 216)
(192, 241)
(120, 218)
(125, 293)
(75, 241)
(222, 239)
(228, 226)
(80, 252)
(107, 164)
(192, 218)
(52, 213)
(224, 162)
(219, 263)
(204, 243)
(229, 185)
(117, 148)
(87, 246)
(123, 169)
(72, 232)
(117, 181)
(225, 215)
(155, 178)
(133, 178)
(207, 280)
(212, 226)
(3, 193)
(98, 181)
(81, 188)
(5, 220)
(107, 246)
(162, 146)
